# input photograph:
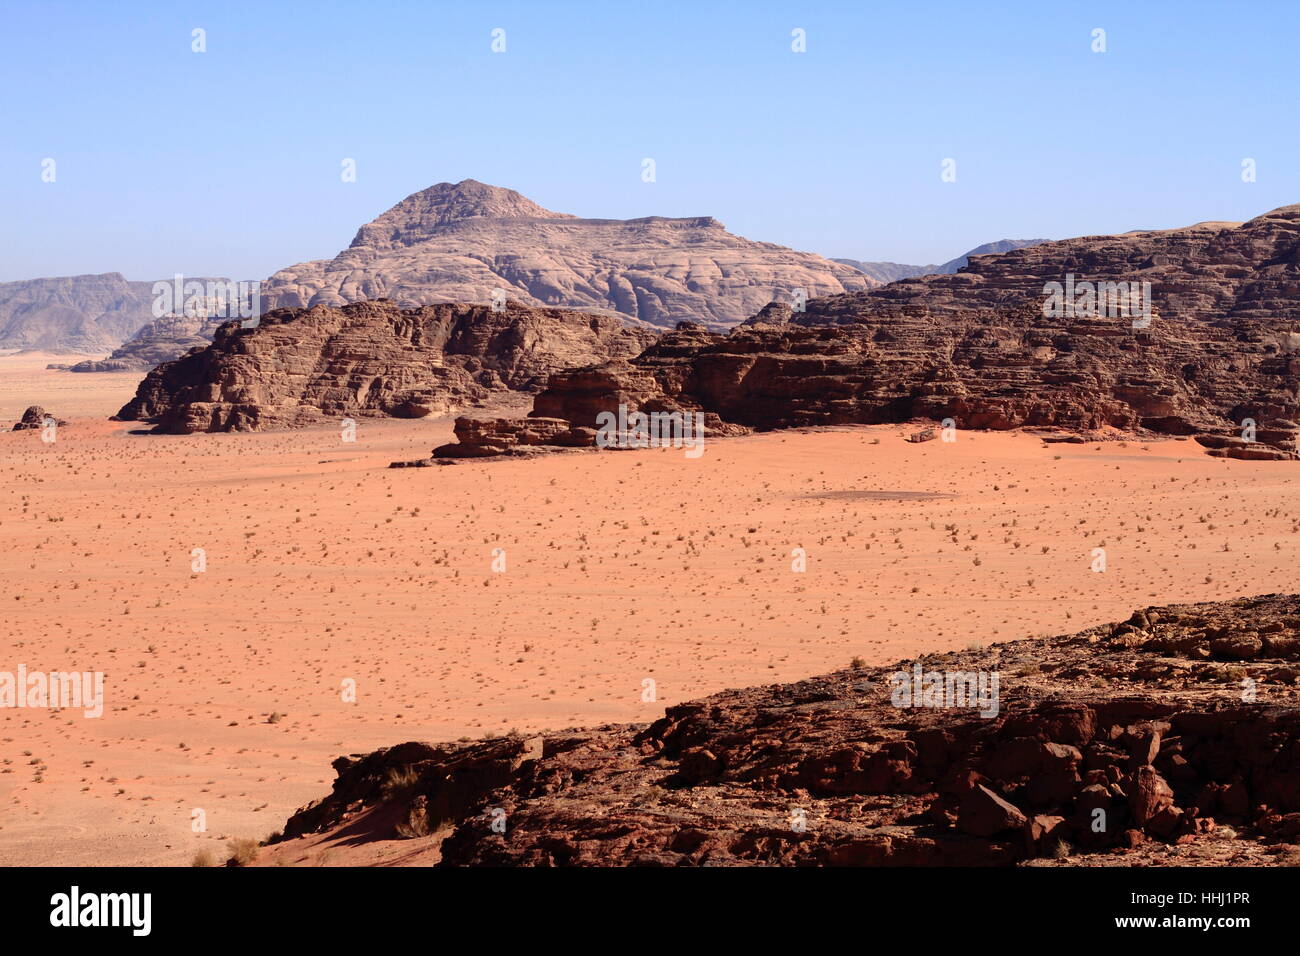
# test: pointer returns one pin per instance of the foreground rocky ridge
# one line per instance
(1177, 728)
(303, 366)
(461, 242)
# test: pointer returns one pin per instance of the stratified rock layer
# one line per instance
(982, 370)
(1213, 351)
(1214, 272)
(1114, 740)
(369, 359)
(461, 242)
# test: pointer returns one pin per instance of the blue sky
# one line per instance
(228, 162)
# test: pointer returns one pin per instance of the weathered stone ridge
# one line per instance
(1206, 273)
(1215, 348)
(297, 367)
(1118, 741)
(982, 370)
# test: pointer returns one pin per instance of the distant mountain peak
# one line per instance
(469, 242)
(428, 212)
(893, 271)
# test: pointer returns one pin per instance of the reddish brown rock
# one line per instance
(1042, 832)
(983, 369)
(1238, 276)
(479, 438)
(1149, 795)
(369, 359)
(35, 417)
(983, 813)
(824, 772)
(976, 348)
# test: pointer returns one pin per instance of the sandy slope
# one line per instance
(325, 566)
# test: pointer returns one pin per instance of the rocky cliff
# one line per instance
(1180, 726)
(980, 369)
(1216, 354)
(460, 242)
(300, 366)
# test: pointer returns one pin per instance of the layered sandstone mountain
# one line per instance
(90, 313)
(1206, 273)
(162, 340)
(369, 359)
(1180, 726)
(462, 242)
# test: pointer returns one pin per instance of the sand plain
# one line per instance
(225, 687)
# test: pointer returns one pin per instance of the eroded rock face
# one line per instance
(1276, 440)
(369, 359)
(1234, 273)
(1113, 741)
(1215, 345)
(460, 242)
(982, 370)
(482, 438)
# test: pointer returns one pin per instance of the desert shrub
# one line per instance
(400, 780)
(243, 851)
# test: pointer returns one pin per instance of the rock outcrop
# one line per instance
(486, 437)
(369, 359)
(1212, 350)
(1180, 726)
(1212, 272)
(36, 417)
(462, 242)
(162, 340)
(1276, 441)
(982, 370)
